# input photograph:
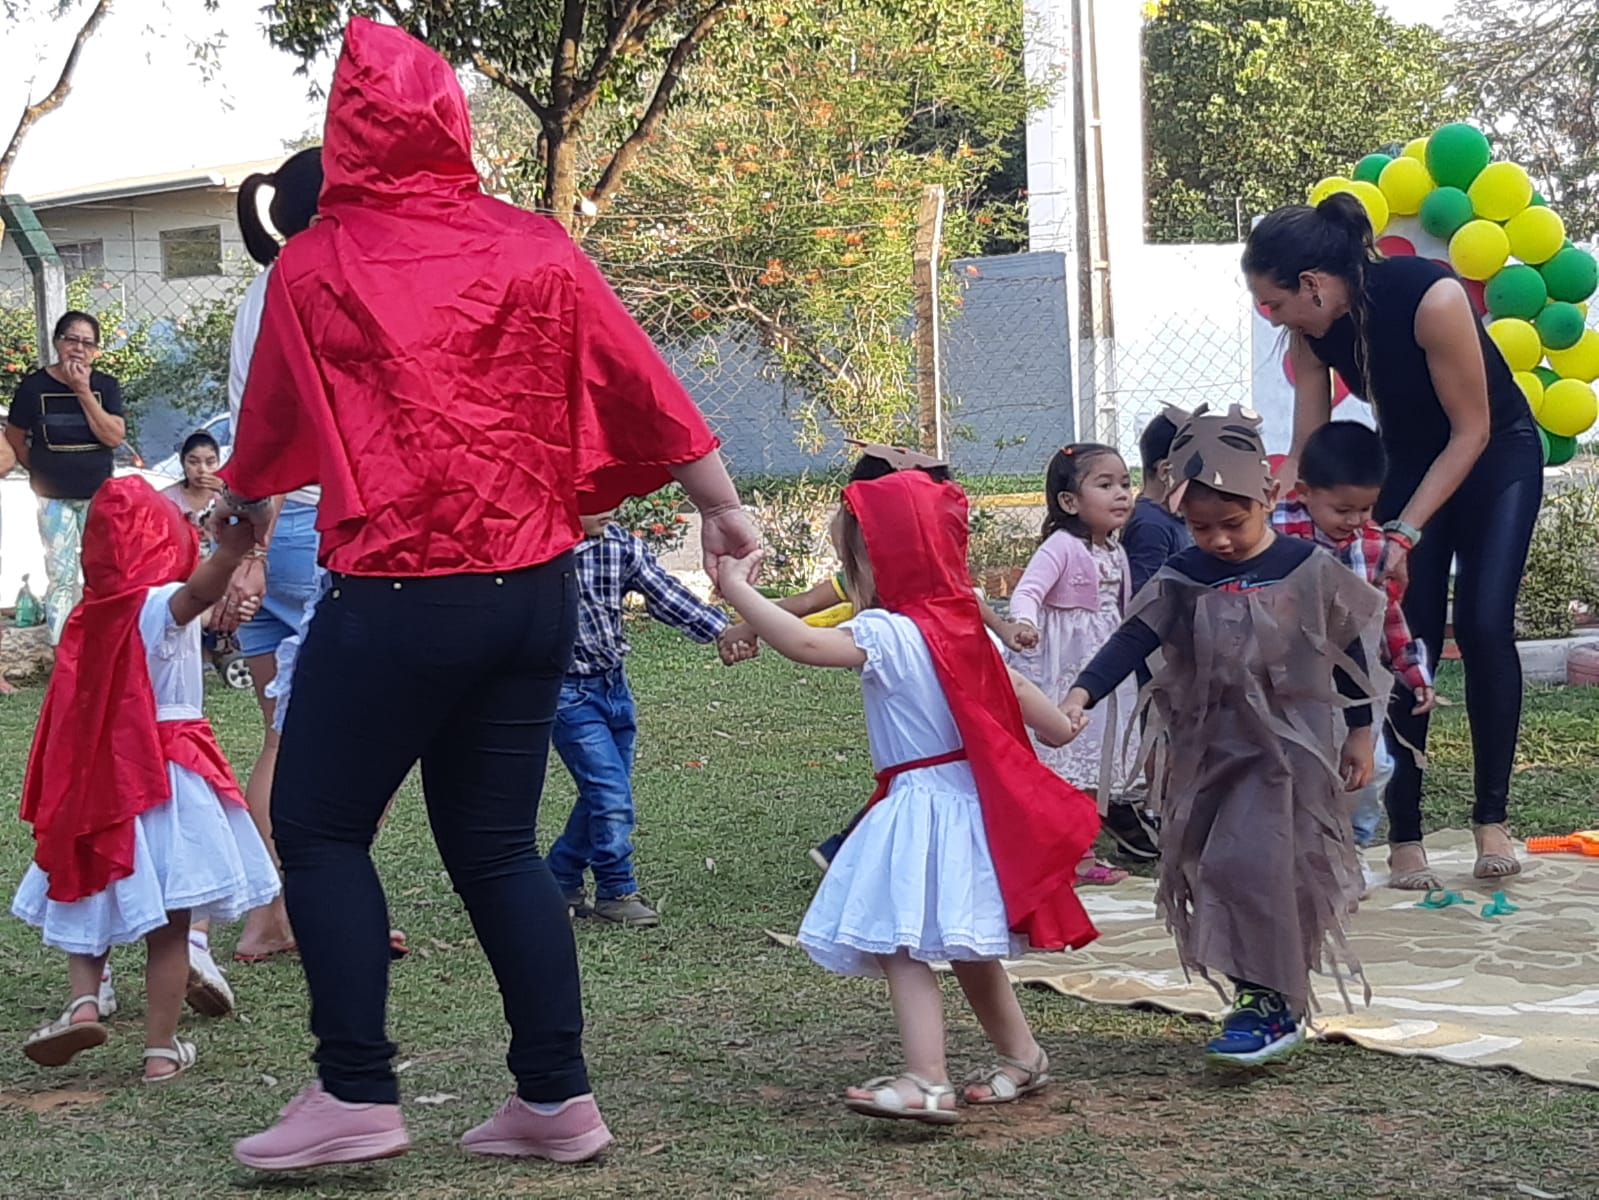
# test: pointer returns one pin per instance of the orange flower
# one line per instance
(853, 239)
(826, 231)
(699, 313)
(749, 167)
(883, 184)
(719, 146)
(849, 260)
(657, 528)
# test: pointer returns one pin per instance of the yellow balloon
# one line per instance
(1569, 408)
(1500, 191)
(1372, 199)
(1333, 183)
(1479, 249)
(1405, 184)
(1580, 362)
(1417, 149)
(1518, 341)
(1583, 309)
(1531, 387)
(1536, 234)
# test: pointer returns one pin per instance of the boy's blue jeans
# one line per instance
(595, 726)
(1368, 810)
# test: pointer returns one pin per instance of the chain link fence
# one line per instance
(1012, 391)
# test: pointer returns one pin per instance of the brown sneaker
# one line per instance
(629, 910)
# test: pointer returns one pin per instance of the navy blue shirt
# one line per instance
(1152, 535)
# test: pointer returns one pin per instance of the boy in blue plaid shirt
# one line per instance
(596, 723)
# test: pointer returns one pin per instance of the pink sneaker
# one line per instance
(574, 1133)
(316, 1128)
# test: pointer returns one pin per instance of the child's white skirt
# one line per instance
(916, 874)
(194, 852)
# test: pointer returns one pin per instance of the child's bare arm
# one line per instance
(818, 598)
(784, 632)
(1052, 725)
(210, 580)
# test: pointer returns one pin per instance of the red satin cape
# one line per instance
(1038, 825)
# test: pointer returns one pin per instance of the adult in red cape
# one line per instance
(1038, 825)
(459, 379)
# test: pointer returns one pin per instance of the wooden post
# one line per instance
(929, 390)
(49, 276)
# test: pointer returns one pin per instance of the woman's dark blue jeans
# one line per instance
(461, 674)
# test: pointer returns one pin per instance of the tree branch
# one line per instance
(610, 180)
(563, 63)
(625, 30)
(785, 338)
(491, 71)
(31, 113)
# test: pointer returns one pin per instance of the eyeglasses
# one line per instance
(82, 343)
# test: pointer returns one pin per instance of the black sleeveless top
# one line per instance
(1410, 417)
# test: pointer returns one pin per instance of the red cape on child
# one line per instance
(97, 760)
(1038, 825)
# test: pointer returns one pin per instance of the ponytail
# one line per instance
(295, 188)
(262, 246)
(1334, 238)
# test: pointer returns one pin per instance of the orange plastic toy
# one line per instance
(1583, 842)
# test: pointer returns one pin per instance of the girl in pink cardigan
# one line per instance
(1069, 601)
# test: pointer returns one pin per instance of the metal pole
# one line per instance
(49, 276)
(929, 384)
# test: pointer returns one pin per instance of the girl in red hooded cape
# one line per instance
(138, 825)
(968, 851)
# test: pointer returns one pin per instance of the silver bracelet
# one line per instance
(243, 507)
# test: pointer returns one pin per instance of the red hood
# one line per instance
(398, 126)
(133, 540)
(1038, 825)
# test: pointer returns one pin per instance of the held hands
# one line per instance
(1356, 763)
(1393, 567)
(1018, 635)
(1075, 710)
(733, 572)
(1426, 701)
(737, 643)
(242, 600)
(727, 533)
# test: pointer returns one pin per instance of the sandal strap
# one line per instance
(886, 1095)
(182, 1053)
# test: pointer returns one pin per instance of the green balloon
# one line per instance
(1537, 200)
(1560, 325)
(1517, 291)
(1444, 211)
(1546, 375)
(1561, 449)
(1571, 275)
(1370, 167)
(1543, 444)
(1456, 155)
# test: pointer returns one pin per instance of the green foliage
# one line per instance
(794, 530)
(1534, 65)
(1249, 102)
(1562, 564)
(657, 518)
(778, 205)
(192, 370)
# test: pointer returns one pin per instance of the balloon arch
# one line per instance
(1443, 197)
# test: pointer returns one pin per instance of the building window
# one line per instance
(190, 253)
(80, 258)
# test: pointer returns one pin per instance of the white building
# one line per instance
(164, 241)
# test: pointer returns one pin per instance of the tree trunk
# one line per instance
(559, 197)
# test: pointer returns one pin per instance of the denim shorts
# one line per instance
(292, 581)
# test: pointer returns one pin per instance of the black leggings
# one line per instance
(1486, 526)
(463, 673)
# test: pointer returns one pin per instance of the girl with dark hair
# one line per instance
(1070, 600)
(1465, 469)
(196, 493)
(64, 422)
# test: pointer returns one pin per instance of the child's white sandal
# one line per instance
(182, 1053)
(887, 1101)
(58, 1043)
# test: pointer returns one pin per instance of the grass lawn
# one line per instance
(717, 1055)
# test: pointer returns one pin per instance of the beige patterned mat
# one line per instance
(1520, 991)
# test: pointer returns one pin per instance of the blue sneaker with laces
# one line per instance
(1259, 1030)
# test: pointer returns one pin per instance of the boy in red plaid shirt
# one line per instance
(1341, 473)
